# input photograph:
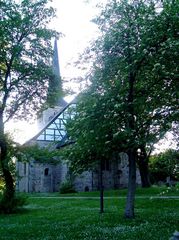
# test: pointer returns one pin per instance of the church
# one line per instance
(34, 176)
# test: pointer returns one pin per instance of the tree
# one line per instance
(89, 150)
(25, 68)
(132, 99)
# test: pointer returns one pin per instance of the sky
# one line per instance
(74, 22)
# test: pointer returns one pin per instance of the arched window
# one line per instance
(86, 189)
(46, 171)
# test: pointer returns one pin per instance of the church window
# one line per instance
(50, 131)
(106, 165)
(49, 137)
(46, 171)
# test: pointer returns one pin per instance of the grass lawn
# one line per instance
(51, 217)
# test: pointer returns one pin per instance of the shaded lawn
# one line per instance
(55, 218)
(152, 191)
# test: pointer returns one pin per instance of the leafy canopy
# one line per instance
(25, 56)
(133, 92)
(164, 165)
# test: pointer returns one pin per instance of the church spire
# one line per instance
(55, 101)
(55, 62)
(55, 92)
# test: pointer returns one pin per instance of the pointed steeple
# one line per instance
(55, 101)
(55, 91)
(55, 62)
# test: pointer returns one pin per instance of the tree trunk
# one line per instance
(9, 182)
(144, 168)
(129, 209)
(144, 173)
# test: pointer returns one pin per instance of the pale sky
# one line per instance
(73, 20)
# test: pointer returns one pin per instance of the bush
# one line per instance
(164, 165)
(173, 190)
(67, 187)
(13, 205)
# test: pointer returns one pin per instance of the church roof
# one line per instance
(55, 129)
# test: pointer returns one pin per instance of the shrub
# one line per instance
(67, 187)
(164, 165)
(14, 205)
(174, 190)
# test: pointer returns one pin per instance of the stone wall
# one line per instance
(41, 177)
(115, 177)
(84, 182)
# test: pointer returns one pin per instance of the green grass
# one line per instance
(62, 219)
(152, 191)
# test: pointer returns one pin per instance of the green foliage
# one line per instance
(67, 187)
(13, 151)
(54, 91)
(39, 154)
(15, 202)
(132, 96)
(1, 185)
(25, 54)
(173, 190)
(164, 165)
(14, 205)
